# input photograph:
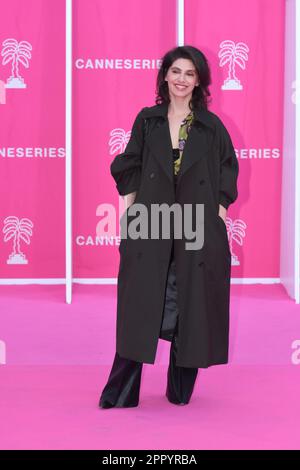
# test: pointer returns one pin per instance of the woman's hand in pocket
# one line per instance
(129, 199)
(222, 212)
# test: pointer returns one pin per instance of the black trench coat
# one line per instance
(208, 175)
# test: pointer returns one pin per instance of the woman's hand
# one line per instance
(129, 199)
(222, 212)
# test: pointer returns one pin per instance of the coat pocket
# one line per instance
(225, 234)
(222, 221)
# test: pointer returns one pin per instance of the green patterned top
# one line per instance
(184, 129)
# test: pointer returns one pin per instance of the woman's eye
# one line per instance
(188, 74)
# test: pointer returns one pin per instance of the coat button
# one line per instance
(201, 263)
(152, 175)
(201, 181)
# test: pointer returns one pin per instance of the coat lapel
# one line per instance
(160, 142)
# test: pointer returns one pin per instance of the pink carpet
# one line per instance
(58, 357)
(233, 407)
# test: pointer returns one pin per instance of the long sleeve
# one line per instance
(126, 167)
(229, 168)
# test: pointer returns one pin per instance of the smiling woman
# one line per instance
(166, 289)
(181, 79)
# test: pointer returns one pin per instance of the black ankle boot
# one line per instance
(181, 380)
(123, 386)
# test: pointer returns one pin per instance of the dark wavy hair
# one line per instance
(201, 93)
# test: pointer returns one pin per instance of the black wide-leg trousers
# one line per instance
(123, 385)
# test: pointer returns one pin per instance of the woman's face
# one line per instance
(182, 78)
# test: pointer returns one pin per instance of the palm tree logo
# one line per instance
(17, 229)
(118, 140)
(2, 92)
(233, 54)
(236, 232)
(16, 52)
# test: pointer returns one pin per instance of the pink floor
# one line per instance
(58, 357)
(233, 407)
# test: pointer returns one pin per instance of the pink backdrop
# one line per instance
(117, 47)
(253, 116)
(32, 135)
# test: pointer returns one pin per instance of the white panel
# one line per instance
(289, 252)
(180, 22)
(68, 144)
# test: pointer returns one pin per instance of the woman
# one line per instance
(179, 153)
